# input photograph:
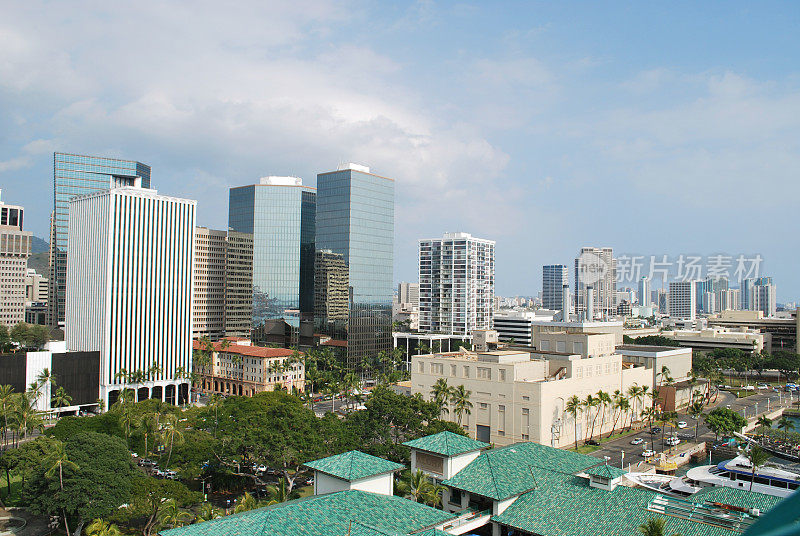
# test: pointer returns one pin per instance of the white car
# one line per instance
(637, 441)
(682, 424)
(672, 441)
(649, 453)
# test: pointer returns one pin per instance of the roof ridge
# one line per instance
(494, 480)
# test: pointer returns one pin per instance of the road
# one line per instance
(633, 453)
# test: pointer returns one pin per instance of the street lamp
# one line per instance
(622, 459)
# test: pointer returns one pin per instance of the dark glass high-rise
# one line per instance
(355, 220)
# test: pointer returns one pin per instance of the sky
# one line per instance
(653, 128)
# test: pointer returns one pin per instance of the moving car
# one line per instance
(656, 430)
(682, 424)
(672, 441)
(637, 441)
(649, 453)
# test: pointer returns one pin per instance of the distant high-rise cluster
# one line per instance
(456, 284)
(595, 283)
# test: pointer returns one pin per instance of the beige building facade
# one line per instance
(522, 395)
(238, 368)
(15, 248)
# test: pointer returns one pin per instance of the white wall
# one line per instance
(328, 484)
(383, 484)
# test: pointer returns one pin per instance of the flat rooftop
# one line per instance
(648, 348)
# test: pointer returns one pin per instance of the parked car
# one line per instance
(170, 474)
(672, 441)
(158, 473)
(649, 453)
(592, 442)
(655, 430)
(682, 424)
(637, 441)
(763, 386)
(749, 388)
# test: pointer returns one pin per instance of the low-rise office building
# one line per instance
(716, 337)
(614, 327)
(782, 331)
(519, 395)
(236, 367)
(678, 362)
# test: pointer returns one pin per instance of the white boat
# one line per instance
(735, 473)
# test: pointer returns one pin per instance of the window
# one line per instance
(466, 372)
(577, 347)
(484, 373)
(502, 375)
(545, 345)
(422, 368)
(561, 346)
(525, 437)
(526, 411)
(525, 397)
(453, 370)
(580, 372)
(437, 368)
(484, 405)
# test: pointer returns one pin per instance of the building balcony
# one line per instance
(468, 520)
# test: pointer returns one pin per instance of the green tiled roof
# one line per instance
(446, 444)
(564, 505)
(353, 465)
(736, 497)
(358, 513)
(504, 472)
(605, 470)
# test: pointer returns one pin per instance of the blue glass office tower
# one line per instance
(355, 219)
(75, 175)
(280, 214)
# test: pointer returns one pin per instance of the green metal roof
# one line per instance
(605, 470)
(446, 444)
(504, 472)
(564, 505)
(358, 513)
(353, 465)
(736, 497)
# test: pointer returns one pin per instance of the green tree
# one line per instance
(786, 425)
(171, 515)
(151, 494)
(102, 481)
(764, 423)
(757, 457)
(695, 411)
(654, 527)
(98, 527)
(60, 398)
(441, 394)
(280, 493)
(171, 434)
(208, 512)
(724, 422)
(57, 460)
(20, 334)
(417, 487)
(7, 409)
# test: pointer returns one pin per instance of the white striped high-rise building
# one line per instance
(595, 274)
(456, 284)
(129, 290)
(683, 300)
(554, 278)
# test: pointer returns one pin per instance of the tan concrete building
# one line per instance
(521, 395)
(238, 368)
(614, 327)
(222, 289)
(744, 339)
(15, 248)
(35, 287)
(784, 331)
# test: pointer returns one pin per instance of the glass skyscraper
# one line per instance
(280, 214)
(75, 175)
(355, 219)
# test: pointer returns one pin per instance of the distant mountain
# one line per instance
(41, 263)
(39, 246)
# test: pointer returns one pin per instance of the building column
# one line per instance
(495, 529)
(163, 393)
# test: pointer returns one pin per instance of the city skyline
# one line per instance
(551, 121)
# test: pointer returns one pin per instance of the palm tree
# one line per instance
(280, 493)
(786, 425)
(46, 379)
(764, 423)
(572, 407)
(245, 503)
(654, 527)
(757, 457)
(208, 512)
(635, 394)
(461, 404)
(28, 418)
(625, 409)
(149, 427)
(57, 460)
(6, 405)
(170, 434)
(591, 402)
(616, 406)
(171, 515)
(604, 400)
(696, 410)
(415, 486)
(98, 527)
(441, 393)
(61, 398)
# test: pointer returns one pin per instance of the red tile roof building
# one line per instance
(241, 369)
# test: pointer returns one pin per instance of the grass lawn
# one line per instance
(16, 490)
(586, 449)
(305, 491)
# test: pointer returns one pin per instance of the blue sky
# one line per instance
(653, 128)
